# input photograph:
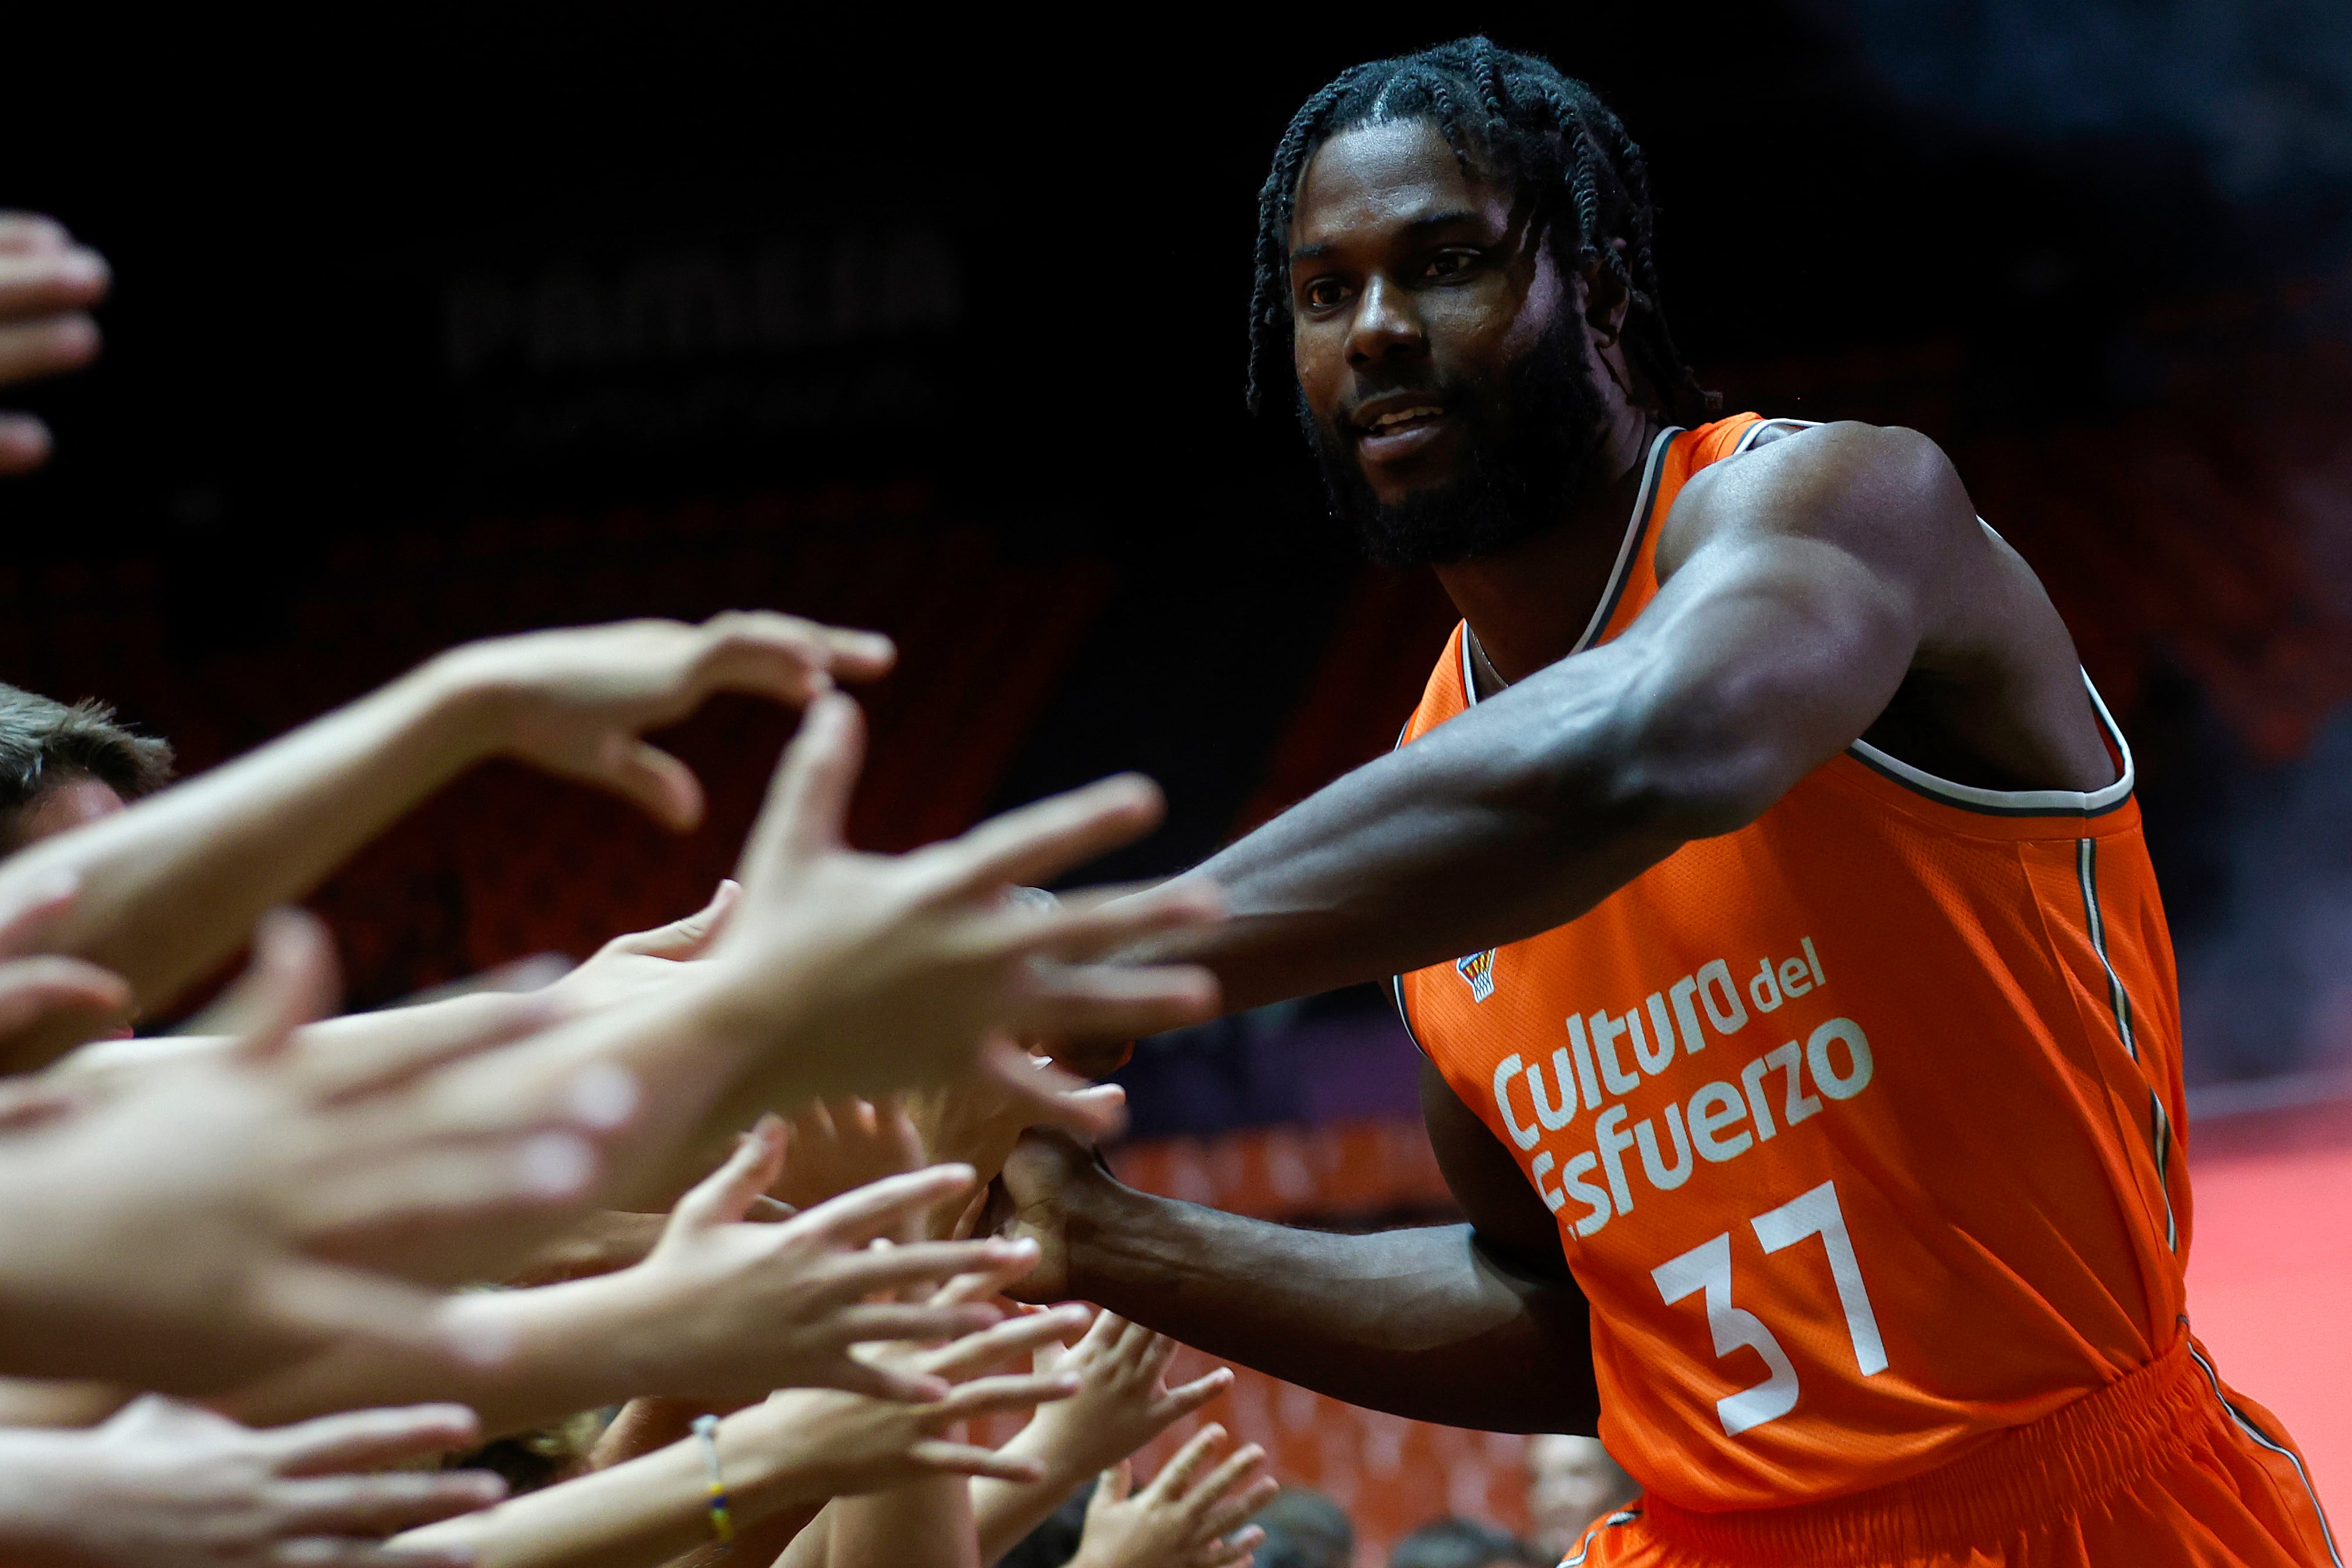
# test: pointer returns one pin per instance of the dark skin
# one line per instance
(1831, 585)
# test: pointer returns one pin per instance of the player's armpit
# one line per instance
(1512, 1226)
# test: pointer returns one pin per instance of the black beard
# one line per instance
(1528, 445)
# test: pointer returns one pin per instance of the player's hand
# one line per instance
(1123, 1399)
(1048, 1174)
(47, 285)
(164, 1485)
(873, 973)
(978, 1121)
(725, 1311)
(578, 703)
(1184, 1519)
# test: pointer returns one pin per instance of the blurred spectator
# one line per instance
(61, 767)
(1055, 1541)
(1304, 1529)
(1574, 1482)
(1465, 1544)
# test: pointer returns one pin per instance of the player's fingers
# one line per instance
(24, 443)
(290, 980)
(1036, 843)
(369, 1439)
(1176, 1476)
(384, 1504)
(721, 1197)
(47, 346)
(687, 936)
(808, 797)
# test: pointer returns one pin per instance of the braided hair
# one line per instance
(1524, 120)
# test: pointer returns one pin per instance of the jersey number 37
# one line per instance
(1706, 1269)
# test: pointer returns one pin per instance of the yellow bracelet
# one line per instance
(722, 1524)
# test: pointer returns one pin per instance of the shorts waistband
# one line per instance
(2073, 1458)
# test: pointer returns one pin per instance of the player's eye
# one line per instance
(1455, 261)
(1324, 293)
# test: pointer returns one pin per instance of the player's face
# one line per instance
(1415, 287)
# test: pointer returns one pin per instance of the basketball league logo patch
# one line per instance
(1478, 971)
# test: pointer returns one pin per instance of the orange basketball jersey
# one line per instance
(1860, 1123)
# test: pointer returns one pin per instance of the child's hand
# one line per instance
(1122, 1403)
(1176, 1522)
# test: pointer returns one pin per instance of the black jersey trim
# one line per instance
(2014, 802)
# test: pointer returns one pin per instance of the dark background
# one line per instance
(456, 321)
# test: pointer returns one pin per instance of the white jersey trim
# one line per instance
(1636, 526)
(2016, 803)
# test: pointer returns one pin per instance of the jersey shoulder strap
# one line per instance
(1677, 455)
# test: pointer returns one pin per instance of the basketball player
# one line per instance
(1763, 884)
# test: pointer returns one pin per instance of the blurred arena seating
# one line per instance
(507, 863)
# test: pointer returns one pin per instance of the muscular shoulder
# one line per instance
(1881, 491)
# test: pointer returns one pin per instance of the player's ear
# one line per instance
(1606, 302)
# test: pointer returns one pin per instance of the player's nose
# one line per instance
(1386, 325)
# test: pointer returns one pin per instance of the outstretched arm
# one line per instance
(1472, 1325)
(1803, 582)
(172, 886)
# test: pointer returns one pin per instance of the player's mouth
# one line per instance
(1392, 428)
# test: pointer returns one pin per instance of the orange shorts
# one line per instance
(2155, 1470)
